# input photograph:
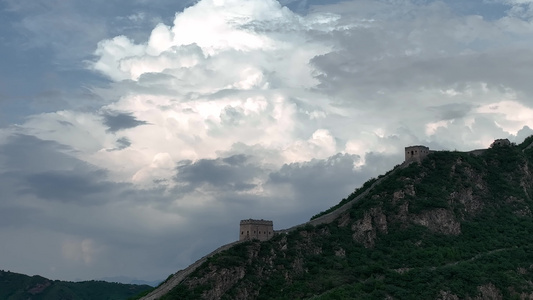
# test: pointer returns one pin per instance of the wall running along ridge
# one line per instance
(412, 154)
(178, 277)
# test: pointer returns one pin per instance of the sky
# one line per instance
(134, 135)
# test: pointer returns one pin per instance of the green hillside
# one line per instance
(456, 226)
(14, 286)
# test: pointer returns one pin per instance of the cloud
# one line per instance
(233, 173)
(59, 177)
(68, 186)
(116, 121)
(84, 250)
(14, 216)
(522, 9)
(309, 179)
(46, 192)
(206, 34)
(451, 111)
(57, 25)
(24, 153)
(254, 111)
(123, 143)
(330, 179)
(72, 29)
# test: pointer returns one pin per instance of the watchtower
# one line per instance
(416, 153)
(256, 229)
(500, 142)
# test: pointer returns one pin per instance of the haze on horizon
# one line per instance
(134, 135)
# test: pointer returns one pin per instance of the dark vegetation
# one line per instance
(488, 196)
(14, 286)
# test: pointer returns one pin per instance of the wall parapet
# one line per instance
(257, 222)
(179, 276)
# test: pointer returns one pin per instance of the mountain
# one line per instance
(14, 286)
(456, 225)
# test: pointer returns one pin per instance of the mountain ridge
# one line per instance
(16, 286)
(179, 276)
(442, 196)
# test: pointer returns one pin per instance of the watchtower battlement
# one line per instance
(262, 230)
(416, 153)
(257, 222)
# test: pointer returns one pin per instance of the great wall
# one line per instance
(412, 154)
(179, 276)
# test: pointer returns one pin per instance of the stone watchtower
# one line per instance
(416, 153)
(256, 229)
(500, 142)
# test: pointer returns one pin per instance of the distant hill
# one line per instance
(130, 280)
(456, 226)
(14, 286)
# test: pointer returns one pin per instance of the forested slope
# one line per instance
(456, 226)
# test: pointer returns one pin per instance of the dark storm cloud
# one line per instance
(46, 170)
(289, 195)
(372, 61)
(26, 153)
(234, 172)
(38, 178)
(393, 75)
(321, 183)
(116, 121)
(334, 177)
(68, 186)
(122, 143)
(17, 216)
(513, 68)
(318, 178)
(235, 160)
(451, 111)
(65, 123)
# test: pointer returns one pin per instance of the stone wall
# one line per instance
(179, 276)
(330, 217)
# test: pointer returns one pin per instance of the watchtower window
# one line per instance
(412, 153)
(242, 232)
